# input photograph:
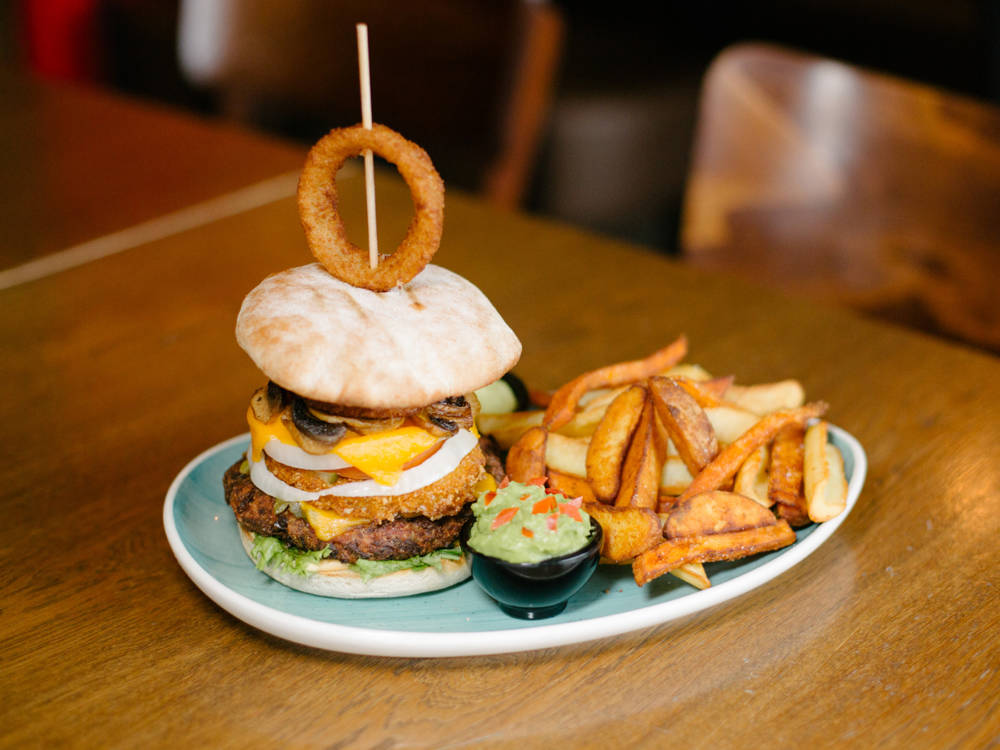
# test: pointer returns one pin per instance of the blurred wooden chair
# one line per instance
(851, 187)
(472, 84)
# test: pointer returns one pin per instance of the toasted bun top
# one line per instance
(434, 337)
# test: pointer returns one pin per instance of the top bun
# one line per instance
(434, 337)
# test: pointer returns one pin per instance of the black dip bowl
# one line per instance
(534, 591)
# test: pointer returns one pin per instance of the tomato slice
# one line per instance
(503, 517)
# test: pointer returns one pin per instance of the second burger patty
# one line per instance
(396, 539)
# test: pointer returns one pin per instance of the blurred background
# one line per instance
(583, 111)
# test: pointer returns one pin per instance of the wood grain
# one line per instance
(841, 184)
(120, 371)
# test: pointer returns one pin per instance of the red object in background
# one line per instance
(60, 38)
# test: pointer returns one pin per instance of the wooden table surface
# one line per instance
(122, 369)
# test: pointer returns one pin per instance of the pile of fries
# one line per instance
(679, 468)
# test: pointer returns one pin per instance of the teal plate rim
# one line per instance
(458, 621)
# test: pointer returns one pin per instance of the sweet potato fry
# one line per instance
(685, 422)
(566, 454)
(716, 512)
(643, 464)
(571, 486)
(526, 459)
(610, 441)
(765, 398)
(732, 545)
(707, 393)
(507, 428)
(825, 483)
(724, 467)
(563, 405)
(627, 531)
(751, 479)
(784, 486)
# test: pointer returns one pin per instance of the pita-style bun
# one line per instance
(335, 579)
(434, 337)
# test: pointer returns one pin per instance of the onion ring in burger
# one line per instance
(324, 227)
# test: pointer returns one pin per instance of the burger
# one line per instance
(364, 456)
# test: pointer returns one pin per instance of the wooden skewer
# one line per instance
(366, 121)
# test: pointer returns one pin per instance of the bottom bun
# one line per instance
(335, 579)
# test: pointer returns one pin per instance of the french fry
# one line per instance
(564, 401)
(610, 441)
(694, 574)
(724, 467)
(675, 477)
(643, 464)
(715, 512)
(571, 486)
(526, 459)
(784, 487)
(765, 398)
(567, 455)
(627, 531)
(733, 545)
(688, 370)
(729, 422)
(825, 482)
(685, 422)
(751, 479)
(507, 428)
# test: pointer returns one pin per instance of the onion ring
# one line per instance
(324, 227)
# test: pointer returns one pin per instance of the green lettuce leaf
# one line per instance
(369, 569)
(268, 551)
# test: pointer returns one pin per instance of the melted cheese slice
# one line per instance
(380, 455)
(328, 524)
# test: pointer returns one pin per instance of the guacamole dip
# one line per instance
(525, 523)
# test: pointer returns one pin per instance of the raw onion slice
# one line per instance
(293, 455)
(434, 468)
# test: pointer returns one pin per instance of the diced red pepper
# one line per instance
(552, 521)
(503, 483)
(552, 491)
(546, 505)
(503, 517)
(488, 498)
(576, 502)
(571, 511)
(527, 532)
(537, 481)
(524, 497)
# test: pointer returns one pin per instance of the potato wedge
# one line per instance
(825, 481)
(610, 441)
(564, 401)
(526, 459)
(567, 455)
(685, 422)
(643, 464)
(784, 487)
(724, 467)
(729, 422)
(507, 428)
(693, 574)
(675, 477)
(571, 486)
(732, 545)
(765, 398)
(708, 393)
(627, 531)
(715, 512)
(751, 479)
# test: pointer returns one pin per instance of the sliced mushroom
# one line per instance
(268, 403)
(313, 435)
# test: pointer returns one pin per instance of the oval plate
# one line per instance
(461, 620)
